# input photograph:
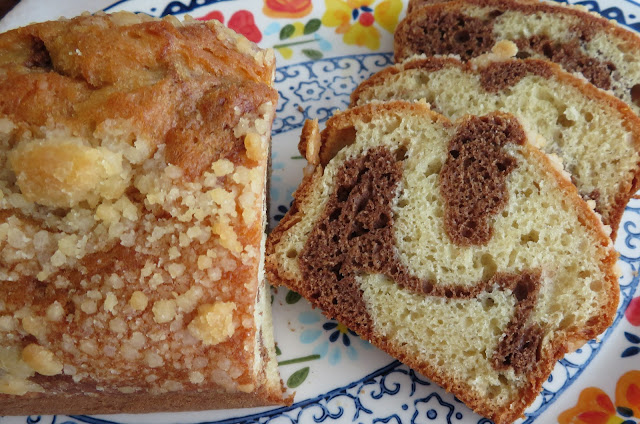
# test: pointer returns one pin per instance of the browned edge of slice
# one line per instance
(416, 4)
(631, 121)
(339, 133)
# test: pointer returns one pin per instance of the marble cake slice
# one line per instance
(604, 52)
(596, 135)
(458, 248)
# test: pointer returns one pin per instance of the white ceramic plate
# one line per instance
(338, 377)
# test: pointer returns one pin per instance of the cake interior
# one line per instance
(483, 315)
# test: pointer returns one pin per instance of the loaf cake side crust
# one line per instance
(132, 217)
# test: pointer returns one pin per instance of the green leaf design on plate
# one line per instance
(300, 359)
(312, 54)
(292, 297)
(312, 26)
(278, 351)
(287, 31)
(298, 377)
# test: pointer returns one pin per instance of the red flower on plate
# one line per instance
(633, 311)
(241, 22)
(216, 14)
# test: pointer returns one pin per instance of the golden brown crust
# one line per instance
(416, 4)
(150, 46)
(332, 141)
(190, 145)
(340, 128)
(629, 119)
(169, 68)
(309, 144)
(133, 168)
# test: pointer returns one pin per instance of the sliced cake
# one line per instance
(133, 160)
(596, 135)
(460, 249)
(604, 52)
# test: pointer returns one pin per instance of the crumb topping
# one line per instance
(41, 360)
(213, 324)
(124, 264)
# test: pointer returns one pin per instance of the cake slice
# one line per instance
(605, 53)
(460, 249)
(132, 212)
(596, 135)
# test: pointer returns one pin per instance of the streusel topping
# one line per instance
(131, 198)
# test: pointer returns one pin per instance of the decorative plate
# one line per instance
(324, 50)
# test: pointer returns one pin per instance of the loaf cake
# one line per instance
(596, 134)
(603, 52)
(460, 249)
(132, 216)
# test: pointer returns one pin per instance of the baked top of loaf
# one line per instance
(604, 52)
(460, 249)
(132, 175)
(596, 135)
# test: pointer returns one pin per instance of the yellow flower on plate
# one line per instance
(299, 26)
(356, 18)
(286, 52)
(387, 13)
(362, 35)
(338, 15)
